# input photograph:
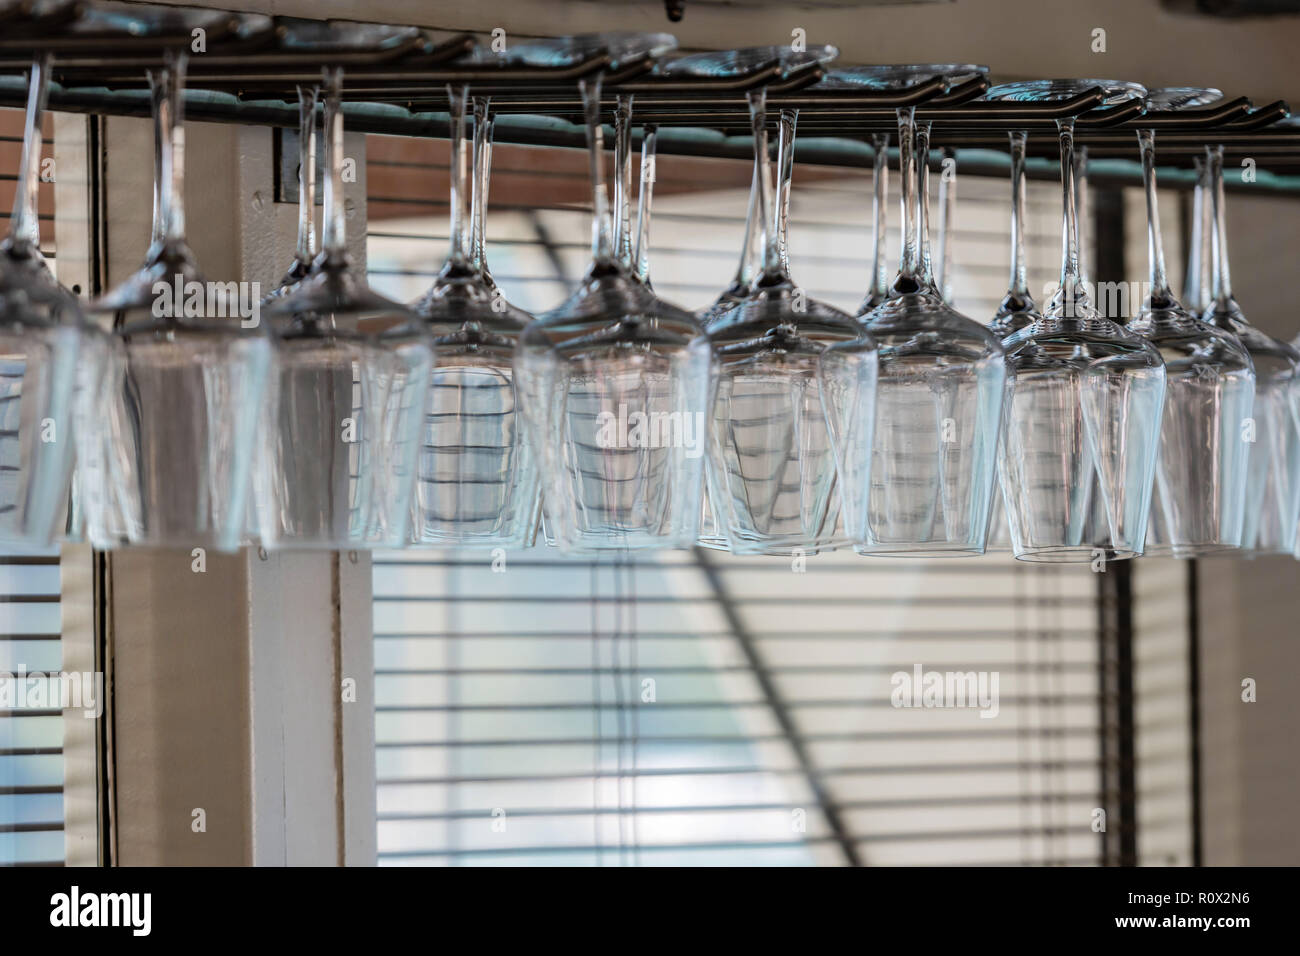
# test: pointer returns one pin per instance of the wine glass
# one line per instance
(47, 353)
(616, 387)
(1085, 399)
(476, 482)
(181, 410)
(336, 462)
(771, 474)
(1210, 388)
(1016, 310)
(938, 392)
(1273, 469)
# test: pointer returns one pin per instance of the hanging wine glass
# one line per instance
(1086, 396)
(616, 387)
(47, 352)
(938, 395)
(772, 480)
(304, 253)
(476, 481)
(182, 416)
(771, 474)
(1210, 387)
(350, 373)
(1016, 310)
(1273, 469)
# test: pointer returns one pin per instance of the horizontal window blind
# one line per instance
(31, 739)
(695, 708)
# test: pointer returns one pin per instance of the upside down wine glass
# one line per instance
(615, 387)
(47, 354)
(1273, 470)
(336, 466)
(922, 488)
(1085, 398)
(476, 483)
(772, 477)
(788, 62)
(1200, 486)
(1016, 310)
(771, 473)
(181, 411)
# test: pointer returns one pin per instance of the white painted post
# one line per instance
(229, 741)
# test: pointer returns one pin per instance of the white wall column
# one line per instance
(230, 741)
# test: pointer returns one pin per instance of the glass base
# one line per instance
(1202, 550)
(614, 542)
(923, 552)
(471, 542)
(1071, 554)
(786, 547)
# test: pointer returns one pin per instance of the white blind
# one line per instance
(31, 739)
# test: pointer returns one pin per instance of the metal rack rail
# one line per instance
(249, 65)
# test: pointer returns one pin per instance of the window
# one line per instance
(31, 738)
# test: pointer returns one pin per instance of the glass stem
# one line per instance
(602, 243)
(649, 144)
(785, 170)
(156, 96)
(171, 120)
(1019, 282)
(923, 202)
(880, 191)
(1071, 293)
(1206, 253)
(458, 97)
(763, 172)
(24, 224)
(1083, 220)
(307, 97)
(909, 262)
(751, 250)
(1193, 297)
(1222, 282)
(623, 179)
(947, 212)
(483, 127)
(1160, 296)
(334, 238)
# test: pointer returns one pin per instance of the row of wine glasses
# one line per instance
(768, 423)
